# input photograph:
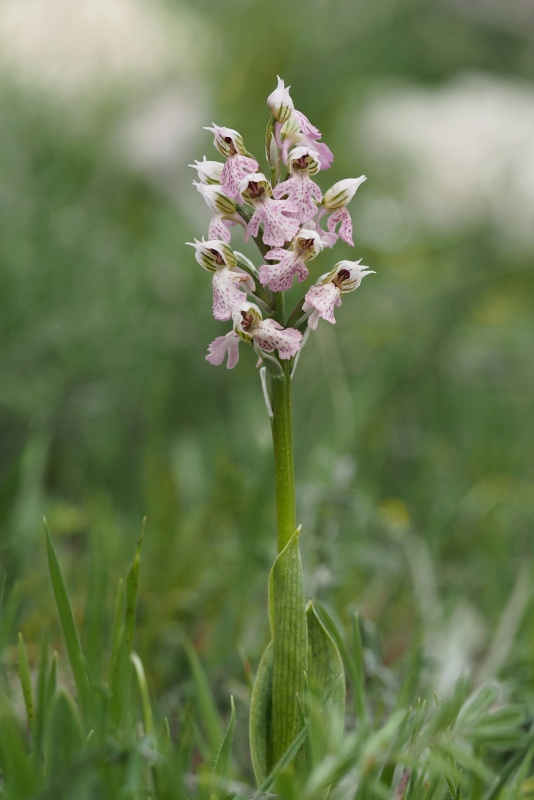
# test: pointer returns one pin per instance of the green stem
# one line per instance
(283, 445)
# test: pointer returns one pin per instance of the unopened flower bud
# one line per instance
(227, 141)
(208, 171)
(213, 255)
(290, 128)
(342, 192)
(215, 198)
(280, 102)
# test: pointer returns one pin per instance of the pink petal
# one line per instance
(324, 299)
(226, 292)
(306, 126)
(277, 228)
(279, 277)
(224, 346)
(219, 229)
(326, 156)
(270, 335)
(300, 190)
(345, 229)
(236, 168)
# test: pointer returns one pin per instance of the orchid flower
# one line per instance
(277, 227)
(228, 279)
(304, 247)
(266, 335)
(298, 131)
(225, 211)
(299, 188)
(322, 298)
(230, 144)
(335, 201)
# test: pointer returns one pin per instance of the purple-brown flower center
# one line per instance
(255, 190)
(230, 142)
(342, 275)
(217, 257)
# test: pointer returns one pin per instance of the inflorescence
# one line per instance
(284, 217)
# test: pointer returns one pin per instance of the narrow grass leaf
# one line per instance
(68, 625)
(17, 769)
(222, 762)
(148, 721)
(26, 684)
(206, 703)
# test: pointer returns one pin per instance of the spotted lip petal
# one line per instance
(270, 335)
(279, 277)
(236, 168)
(223, 346)
(324, 300)
(302, 192)
(229, 286)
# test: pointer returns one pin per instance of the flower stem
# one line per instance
(283, 445)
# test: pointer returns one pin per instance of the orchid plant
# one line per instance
(284, 215)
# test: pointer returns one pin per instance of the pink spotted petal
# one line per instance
(224, 346)
(236, 168)
(219, 229)
(279, 277)
(277, 228)
(300, 191)
(345, 229)
(270, 335)
(227, 292)
(306, 126)
(324, 299)
(326, 156)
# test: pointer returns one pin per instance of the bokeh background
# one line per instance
(413, 416)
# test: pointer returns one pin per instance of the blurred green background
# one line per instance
(413, 416)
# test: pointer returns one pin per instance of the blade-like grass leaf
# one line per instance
(260, 717)
(68, 625)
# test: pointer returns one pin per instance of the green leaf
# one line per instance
(65, 738)
(148, 721)
(290, 646)
(326, 676)
(220, 768)
(207, 706)
(18, 770)
(260, 717)
(68, 625)
(26, 684)
(120, 663)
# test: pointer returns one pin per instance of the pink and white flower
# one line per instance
(323, 298)
(297, 131)
(238, 164)
(335, 201)
(280, 102)
(229, 281)
(276, 216)
(226, 215)
(279, 277)
(299, 188)
(267, 334)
